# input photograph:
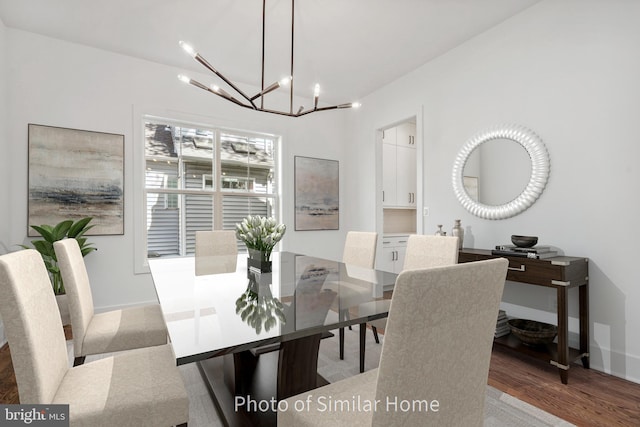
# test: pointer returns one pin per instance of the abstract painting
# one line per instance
(316, 194)
(75, 174)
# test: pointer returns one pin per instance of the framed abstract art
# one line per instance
(75, 174)
(317, 195)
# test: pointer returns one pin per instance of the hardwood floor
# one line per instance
(590, 399)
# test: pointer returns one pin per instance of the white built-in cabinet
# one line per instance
(399, 166)
(393, 251)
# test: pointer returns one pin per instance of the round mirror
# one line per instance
(502, 169)
(500, 172)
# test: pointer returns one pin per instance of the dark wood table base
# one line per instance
(246, 388)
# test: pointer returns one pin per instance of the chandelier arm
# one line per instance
(222, 95)
(264, 8)
(270, 88)
(280, 113)
(204, 62)
(333, 107)
(263, 91)
(291, 89)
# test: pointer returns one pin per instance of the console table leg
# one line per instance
(563, 332)
(564, 375)
(584, 323)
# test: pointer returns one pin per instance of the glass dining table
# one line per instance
(256, 335)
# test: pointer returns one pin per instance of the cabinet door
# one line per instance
(389, 136)
(389, 175)
(399, 263)
(406, 176)
(406, 135)
(388, 259)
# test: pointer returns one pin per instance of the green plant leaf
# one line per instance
(79, 227)
(60, 230)
(50, 235)
(45, 248)
(87, 250)
(46, 231)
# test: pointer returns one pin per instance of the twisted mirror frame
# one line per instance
(540, 166)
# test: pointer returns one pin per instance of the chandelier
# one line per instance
(250, 101)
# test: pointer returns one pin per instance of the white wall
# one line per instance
(569, 71)
(56, 83)
(4, 159)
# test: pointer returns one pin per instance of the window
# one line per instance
(203, 179)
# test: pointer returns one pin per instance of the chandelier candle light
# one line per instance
(248, 101)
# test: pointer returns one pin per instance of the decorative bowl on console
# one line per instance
(532, 332)
(524, 241)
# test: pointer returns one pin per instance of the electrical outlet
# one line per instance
(425, 211)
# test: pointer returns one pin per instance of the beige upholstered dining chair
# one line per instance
(359, 250)
(111, 331)
(216, 252)
(423, 251)
(443, 364)
(137, 388)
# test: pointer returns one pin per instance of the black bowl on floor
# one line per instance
(532, 332)
(524, 241)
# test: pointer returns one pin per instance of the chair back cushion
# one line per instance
(360, 248)
(437, 345)
(33, 327)
(216, 252)
(78, 289)
(424, 251)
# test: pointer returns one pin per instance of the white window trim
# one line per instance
(140, 115)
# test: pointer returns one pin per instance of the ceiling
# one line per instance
(350, 47)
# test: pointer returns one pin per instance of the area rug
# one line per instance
(501, 409)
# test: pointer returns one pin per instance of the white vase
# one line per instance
(458, 232)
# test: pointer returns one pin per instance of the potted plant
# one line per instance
(51, 234)
(260, 235)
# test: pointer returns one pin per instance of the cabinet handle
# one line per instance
(516, 269)
(409, 197)
(383, 195)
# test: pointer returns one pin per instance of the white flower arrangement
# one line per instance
(260, 233)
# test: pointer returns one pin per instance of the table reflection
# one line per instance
(257, 306)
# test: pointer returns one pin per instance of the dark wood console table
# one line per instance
(561, 273)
